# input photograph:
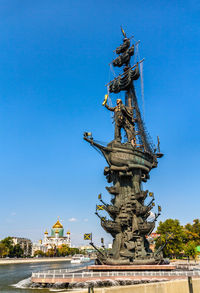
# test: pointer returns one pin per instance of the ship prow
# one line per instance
(125, 157)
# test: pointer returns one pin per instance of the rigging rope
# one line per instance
(142, 88)
(104, 143)
(97, 150)
(137, 56)
(136, 53)
(112, 70)
(109, 100)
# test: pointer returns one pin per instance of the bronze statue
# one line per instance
(129, 165)
(123, 119)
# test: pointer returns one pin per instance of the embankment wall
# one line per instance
(178, 286)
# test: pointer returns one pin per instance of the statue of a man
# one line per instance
(123, 119)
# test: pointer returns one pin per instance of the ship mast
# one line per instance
(124, 82)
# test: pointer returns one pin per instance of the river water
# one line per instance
(12, 274)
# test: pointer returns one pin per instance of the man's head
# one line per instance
(119, 101)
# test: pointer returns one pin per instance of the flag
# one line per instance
(123, 32)
(88, 236)
(100, 207)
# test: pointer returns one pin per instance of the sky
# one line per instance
(54, 58)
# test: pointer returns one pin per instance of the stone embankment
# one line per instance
(177, 286)
(7, 261)
(88, 277)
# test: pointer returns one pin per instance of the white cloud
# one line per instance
(85, 220)
(73, 220)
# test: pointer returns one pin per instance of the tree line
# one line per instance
(181, 241)
(63, 250)
(9, 249)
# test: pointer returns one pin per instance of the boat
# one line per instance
(79, 258)
(85, 259)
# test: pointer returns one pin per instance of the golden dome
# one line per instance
(46, 232)
(68, 232)
(57, 231)
(57, 225)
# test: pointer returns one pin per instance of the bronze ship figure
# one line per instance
(129, 164)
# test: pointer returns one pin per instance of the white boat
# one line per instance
(85, 259)
(79, 258)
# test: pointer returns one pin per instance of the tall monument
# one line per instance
(129, 163)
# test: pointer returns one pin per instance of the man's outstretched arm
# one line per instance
(110, 108)
(105, 104)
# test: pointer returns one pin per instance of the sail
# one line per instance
(122, 48)
(124, 58)
(123, 82)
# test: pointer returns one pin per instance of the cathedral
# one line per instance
(57, 237)
(54, 240)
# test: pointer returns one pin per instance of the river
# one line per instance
(12, 274)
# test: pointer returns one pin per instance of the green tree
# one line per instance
(4, 251)
(39, 253)
(175, 235)
(16, 251)
(13, 250)
(8, 242)
(193, 232)
(73, 251)
(51, 252)
(63, 250)
(190, 249)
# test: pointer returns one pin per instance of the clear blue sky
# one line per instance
(54, 59)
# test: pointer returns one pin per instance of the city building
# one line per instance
(24, 243)
(39, 246)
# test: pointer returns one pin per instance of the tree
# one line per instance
(16, 251)
(73, 251)
(4, 251)
(39, 253)
(51, 252)
(8, 242)
(13, 250)
(63, 250)
(174, 233)
(193, 231)
(190, 249)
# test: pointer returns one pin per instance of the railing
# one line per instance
(60, 274)
(63, 271)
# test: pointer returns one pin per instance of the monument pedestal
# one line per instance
(131, 268)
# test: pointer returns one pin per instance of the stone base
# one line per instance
(131, 268)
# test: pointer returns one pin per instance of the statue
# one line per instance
(123, 119)
(128, 167)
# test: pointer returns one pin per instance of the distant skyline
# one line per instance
(53, 71)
